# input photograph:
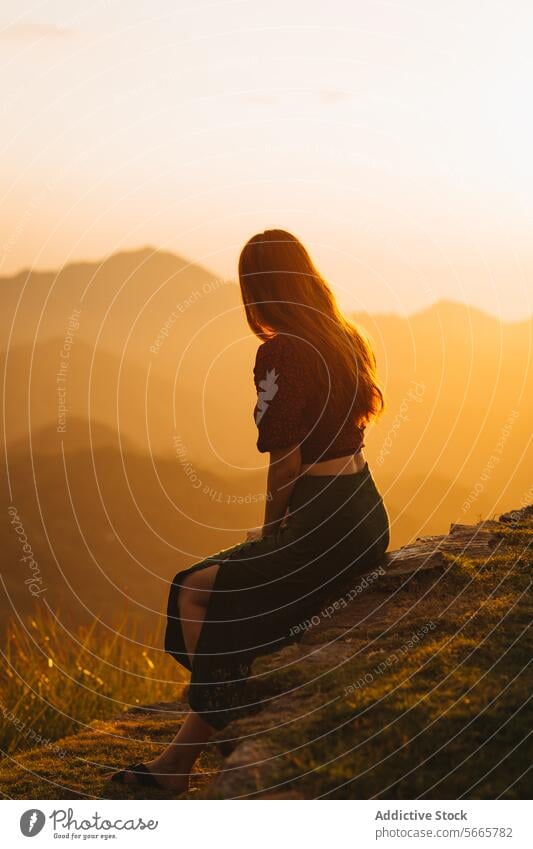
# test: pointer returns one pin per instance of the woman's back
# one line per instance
(296, 406)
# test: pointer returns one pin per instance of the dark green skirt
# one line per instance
(266, 589)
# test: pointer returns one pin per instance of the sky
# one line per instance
(394, 138)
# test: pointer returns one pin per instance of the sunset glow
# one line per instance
(394, 139)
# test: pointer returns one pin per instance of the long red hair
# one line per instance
(283, 292)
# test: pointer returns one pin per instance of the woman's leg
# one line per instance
(192, 603)
(173, 766)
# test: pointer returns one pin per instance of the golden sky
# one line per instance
(394, 138)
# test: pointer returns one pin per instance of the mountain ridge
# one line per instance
(150, 251)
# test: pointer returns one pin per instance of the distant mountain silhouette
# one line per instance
(155, 360)
(458, 384)
(113, 294)
(148, 322)
(109, 529)
(123, 397)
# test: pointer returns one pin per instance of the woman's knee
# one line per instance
(187, 594)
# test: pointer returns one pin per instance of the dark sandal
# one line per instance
(144, 777)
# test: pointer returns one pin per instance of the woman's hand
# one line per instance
(284, 468)
(254, 533)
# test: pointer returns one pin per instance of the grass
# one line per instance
(374, 715)
(54, 682)
(76, 769)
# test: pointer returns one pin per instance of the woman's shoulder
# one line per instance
(274, 349)
(279, 345)
(277, 356)
(278, 342)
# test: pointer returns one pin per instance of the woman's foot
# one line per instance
(172, 769)
(166, 775)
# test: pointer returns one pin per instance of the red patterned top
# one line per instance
(291, 409)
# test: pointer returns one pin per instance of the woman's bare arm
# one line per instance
(284, 468)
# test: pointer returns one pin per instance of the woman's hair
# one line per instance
(284, 293)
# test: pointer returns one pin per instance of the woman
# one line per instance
(324, 522)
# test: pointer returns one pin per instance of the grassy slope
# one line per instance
(75, 770)
(53, 681)
(445, 718)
